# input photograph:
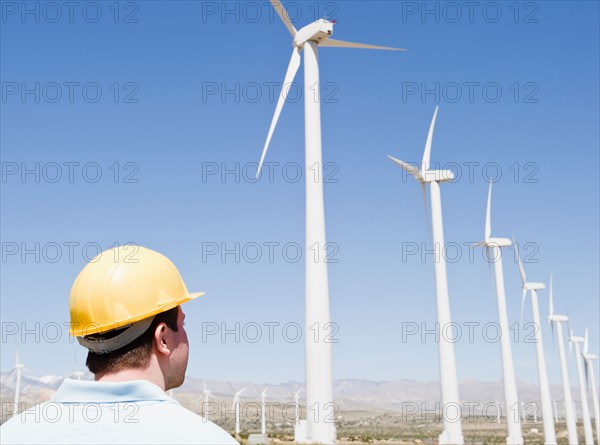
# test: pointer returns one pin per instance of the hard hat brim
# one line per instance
(95, 328)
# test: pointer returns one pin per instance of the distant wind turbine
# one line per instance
(452, 433)
(493, 247)
(263, 417)
(319, 384)
(557, 321)
(585, 409)
(236, 406)
(19, 369)
(591, 376)
(547, 416)
(297, 405)
(207, 394)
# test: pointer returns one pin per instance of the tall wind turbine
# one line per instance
(236, 406)
(207, 394)
(547, 416)
(585, 409)
(263, 417)
(452, 433)
(589, 370)
(557, 321)
(297, 406)
(19, 369)
(493, 247)
(319, 384)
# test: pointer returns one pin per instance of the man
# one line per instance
(125, 309)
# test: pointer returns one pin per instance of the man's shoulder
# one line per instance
(146, 422)
(187, 424)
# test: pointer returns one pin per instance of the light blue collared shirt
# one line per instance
(111, 412)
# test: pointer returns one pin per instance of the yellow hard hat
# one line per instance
(124, 285)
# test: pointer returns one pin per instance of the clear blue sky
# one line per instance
(518, 92)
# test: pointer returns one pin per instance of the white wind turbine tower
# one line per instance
(585, 409)
(557, 321)
(493, 247)
(452, 433)
(589, 370)
(547, 415)
(297, 405)
(236, 406)
(207, 394)
(319, 385)
(263, 417)
(19, 368)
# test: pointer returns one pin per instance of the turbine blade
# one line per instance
(523, 276)
(427, 153)
(488, 215)
(551, 298)
(587, 373)
(282, 13)
(344, 44)
(570, 342)
(489, 261)
(289, 78)
(424, 193)
(409, 168)
(523, 303)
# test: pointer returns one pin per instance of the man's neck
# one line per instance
(151, 374)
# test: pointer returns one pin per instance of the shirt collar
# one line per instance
(85, 391)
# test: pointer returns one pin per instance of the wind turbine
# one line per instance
(263, 417)
(547, 416)
(319, 385)
(207, 394)
(297, 405)
(511, 399)
(589, 371)
(585, 409)
(452, 433)
(557, 321)
(19, 368)
(236, 406)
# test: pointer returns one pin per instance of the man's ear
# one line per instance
(161, 341)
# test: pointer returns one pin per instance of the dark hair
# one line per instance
(134, 355)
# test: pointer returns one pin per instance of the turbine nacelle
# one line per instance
(424, 176)
(534, 286)
(574, 339)
(558, 318)
(314, 32)
(436, 176)
(496, 242)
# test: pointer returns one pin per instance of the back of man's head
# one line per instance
(134, 355)
(124, 307)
